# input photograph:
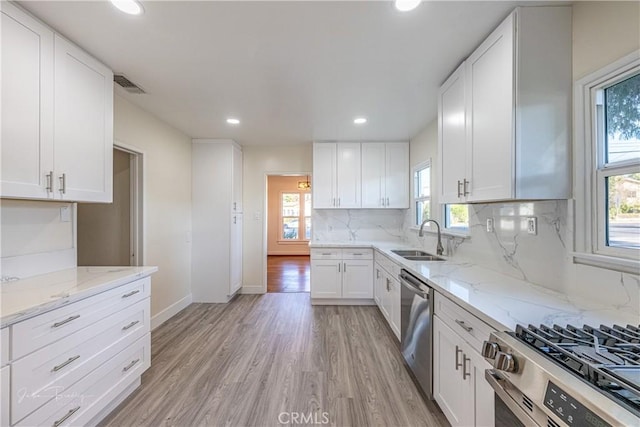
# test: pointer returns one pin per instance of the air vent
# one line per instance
(551, 423)
(127, 84)
(527, 403)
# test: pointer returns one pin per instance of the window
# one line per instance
(608, 166)
(295, 208)
(422, 193)
(456, 218)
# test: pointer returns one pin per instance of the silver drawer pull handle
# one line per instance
(130, 325)
(65, 321)
(326, 253)
(358, 253)
(130, 365)
(67, 415)
(63, 364)
(130, 293)
(464, 325)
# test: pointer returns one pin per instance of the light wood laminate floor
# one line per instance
(262, 358)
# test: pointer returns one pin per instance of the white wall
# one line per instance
(258, 161)
(602, 32)
(167, 202)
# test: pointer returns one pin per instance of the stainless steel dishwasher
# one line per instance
(416, 300)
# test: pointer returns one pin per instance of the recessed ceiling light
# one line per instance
(407, 5)
(360, 120)
(233, 121)
(132, 7)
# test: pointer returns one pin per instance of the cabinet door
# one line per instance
(378, 280)
(357, 279)
(397, 175)
(324, 175)
(27, 105)
(348, 181)
(480, 391)
(394, 305)
(236, 253)
(326, 279)
(237, 180)
(448, 388)
(452, 136)
(385, 297)
(83, 135)
(490, 119)
(4, 391)
(373, 175)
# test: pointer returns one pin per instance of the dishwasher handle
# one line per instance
(413, 288)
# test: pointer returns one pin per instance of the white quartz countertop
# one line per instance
(499, 300)
(22, 299)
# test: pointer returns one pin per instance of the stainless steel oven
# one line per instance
(416, 323)
(565, 376)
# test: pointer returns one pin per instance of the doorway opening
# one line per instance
(288, 233)
(110, 234)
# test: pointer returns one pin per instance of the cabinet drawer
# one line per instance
(357, 253)
(42, 330)
(388, 265)
(84, 400)
(326, 253)
(468, 326)
(4, 346)
(36, 377)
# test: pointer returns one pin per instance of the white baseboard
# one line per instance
(252, 290)
(170, 311)
(339, 301)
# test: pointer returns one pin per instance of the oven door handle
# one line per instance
(491, 378)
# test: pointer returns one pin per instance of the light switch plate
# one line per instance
(532, 225)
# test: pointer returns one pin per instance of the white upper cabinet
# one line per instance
(385, 175)
(452, 144)
(57, 115)
(27, 105)
(237, 180)
(348, 175)
(324, 175)
(516, 115)
(83, 137)
(353, 175)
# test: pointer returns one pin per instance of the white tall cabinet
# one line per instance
(385, 175)
(505, 114)
(216, 272)
(57, 115)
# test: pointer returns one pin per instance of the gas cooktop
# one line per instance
(606, 357)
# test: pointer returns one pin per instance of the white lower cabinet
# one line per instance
(459, 385)
(341, 274)
(4, 392)
(387, 291)
(76, 360)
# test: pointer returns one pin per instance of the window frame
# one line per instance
(302, 216)
(414, 200)
(590, 171)
(455, 231)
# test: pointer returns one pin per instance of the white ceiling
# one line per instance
(292, 72)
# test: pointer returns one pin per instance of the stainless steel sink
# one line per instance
(414, 255)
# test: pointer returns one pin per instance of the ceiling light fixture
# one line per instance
(360, 120)
(131, 7)
(233, 121)
(407, 5)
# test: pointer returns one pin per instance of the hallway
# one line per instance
(288, 273)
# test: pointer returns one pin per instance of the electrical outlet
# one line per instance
(532, 225)
(489, 225)
(65, 214)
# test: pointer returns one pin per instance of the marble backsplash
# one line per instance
(358, 224)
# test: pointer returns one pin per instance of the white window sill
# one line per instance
(293, 242)
(608, 262)
(444, 232)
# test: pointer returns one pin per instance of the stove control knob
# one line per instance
(505, 362)
(490, 349)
